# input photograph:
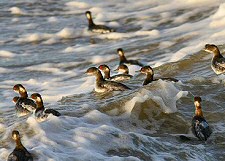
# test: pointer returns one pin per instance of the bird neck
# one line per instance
(148, 79)
(107, 74)
(19, 144)
(216, 53)
(198, 111)
(23, 94)
(90, 22)
(99, 76)
(40, 104)
(123, 58)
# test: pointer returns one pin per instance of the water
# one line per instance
(45, 46)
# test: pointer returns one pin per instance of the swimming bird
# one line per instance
(97, 28)
(41, 113)
(103, 85)
(20, 111)
(20, 153)
(150, 75)
(200, 128)
(118, 77)
(24, 105)
(218, 61)
(124, 72)
(123, 59)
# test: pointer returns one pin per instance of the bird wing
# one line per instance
(135, 62)
(121, 77)
(101, 29)
(27, 104)
(12, 157)
(19, 154)
(52, 111)
(111, 85)
(200, 128)
(170, 79)
(40, 115)
(20, 110)
(220, 63)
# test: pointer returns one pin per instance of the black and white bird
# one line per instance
(200, 127)
(148, 71)
(102, 85)
(97, 28)
(119, 77)
(124, 70)
(124, 60)
(24, 105)
(41, 113)
(20, 153)
(218, 61)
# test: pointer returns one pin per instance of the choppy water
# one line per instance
(45, 46)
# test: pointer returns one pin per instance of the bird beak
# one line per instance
(87, 73)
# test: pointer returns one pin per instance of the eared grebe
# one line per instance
(20, 111)
(106, 70)
(218, 61)
(118, 77)
(97, 28)
(20, 153)
(123, 59)
(103, 85)
(200, 127)
(41, 113)
(124, 70)
(24, 105)
(150, 73)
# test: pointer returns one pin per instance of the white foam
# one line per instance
(16, 10)
(117, 35)
(15, 20)
(6, 54)
(101, 59)
(71, 138)
(52, 40)
(165, 44)
(66, 33)
(69, 49)
(80, 48)
(35, 37)
(80, 5)
(178, 55)
(153, 33)
(163, 93)
(4, 153)
(114, 24)
(46, 68)
(52, 19)
(2, 127)
(133, 69)
(218, 17)
(114, 35)
(220, 12)
(4, 70)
